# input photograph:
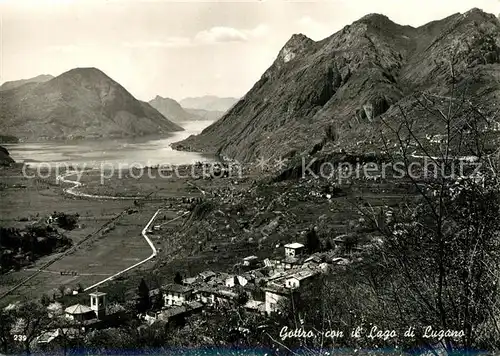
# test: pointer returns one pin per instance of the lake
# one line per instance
(123, 152)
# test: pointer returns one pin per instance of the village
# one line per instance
(260, 286)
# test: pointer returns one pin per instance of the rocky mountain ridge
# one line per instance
(330, 94)
(170, 108)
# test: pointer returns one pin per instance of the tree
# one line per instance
(6, 323)
(440, 249)
(33, 321)
(313, 243)
(143, 301)
(178, 278)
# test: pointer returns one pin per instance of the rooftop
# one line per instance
(301, 275)
(294, 245)
(177, 288)
(78, 309)
(249, 258)
(171, 312)
(97, 294)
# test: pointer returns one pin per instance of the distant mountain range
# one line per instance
(209, 103)
(81, 103)
(17, 83)
(329, 95)
(175, 112)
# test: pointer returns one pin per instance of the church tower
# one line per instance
(98, 304)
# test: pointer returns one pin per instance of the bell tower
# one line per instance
(98, 304)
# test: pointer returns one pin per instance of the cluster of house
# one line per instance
(260, 288)
(265, 284)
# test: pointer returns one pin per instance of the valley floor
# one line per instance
(247, 218)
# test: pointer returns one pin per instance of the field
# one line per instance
(98, 252)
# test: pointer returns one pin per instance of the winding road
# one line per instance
(73, 191)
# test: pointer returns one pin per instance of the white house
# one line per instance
(293, 249)
(176, 294)
(273, 297)
(300, 279)
(236, 280)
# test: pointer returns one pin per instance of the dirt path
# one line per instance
(73, 190)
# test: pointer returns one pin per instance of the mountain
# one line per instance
(81, 103)
(5, 158)
(175, 112)
(330, 94)
(209, 103)
(171, 109)
(206, 114)
(17, 83)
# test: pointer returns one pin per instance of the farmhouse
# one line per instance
(176, 294)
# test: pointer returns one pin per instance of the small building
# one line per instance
(300, 279)
(205, 296)
(79, 312)
(236, 280)
(250, 261)
(294, 249)
(274, 296)
(176, 294)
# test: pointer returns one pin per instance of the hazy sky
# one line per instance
(180, 49)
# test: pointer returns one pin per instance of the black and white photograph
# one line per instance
(253, 177)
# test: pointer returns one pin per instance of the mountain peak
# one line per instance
(83, 103)
(375, 17)
(85, 71)
(296, 45)
(479, 14)
(298, 40)
(348, 80)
